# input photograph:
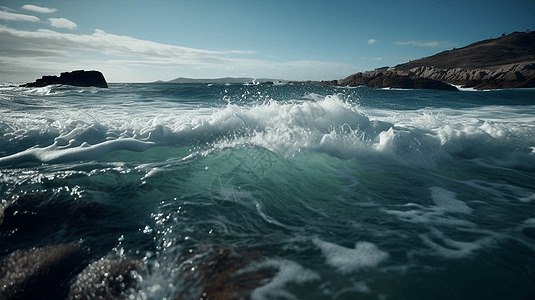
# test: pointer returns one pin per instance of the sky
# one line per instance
(145, 41)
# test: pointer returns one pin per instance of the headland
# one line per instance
(504, 62)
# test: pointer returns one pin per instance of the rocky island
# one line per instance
(76, 78)
(504, 62)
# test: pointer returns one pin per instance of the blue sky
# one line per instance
(143, 41)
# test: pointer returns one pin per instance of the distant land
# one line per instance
(224, 80)
(504, 62)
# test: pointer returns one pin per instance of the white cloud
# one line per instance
(5, 8)
(38, 9)
(33, 50)
(420, 44)
(371, 41)
(4, 15)
(50, 41)
(372, 58)
(62, 23)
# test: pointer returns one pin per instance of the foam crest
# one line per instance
(445, 201)
(289, 128)
(486, 138)
(452, 249)
(346, 260)
(288, 272)
(53, 154)
(323, 124)
(448, 202)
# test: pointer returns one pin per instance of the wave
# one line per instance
(323, 124)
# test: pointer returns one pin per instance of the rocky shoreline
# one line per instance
(509, 76)
(425, 77)
(392, 79)
(501, 63)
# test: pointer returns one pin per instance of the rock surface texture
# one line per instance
(394, 80)
(521, 75)
(505, 62)
(74, 78)
(38, 273)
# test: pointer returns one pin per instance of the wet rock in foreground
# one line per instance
(105, 279)
(40, 273)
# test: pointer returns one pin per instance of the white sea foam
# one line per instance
(527, 199)
(346, 260)
(452, 249)
(360, 287)
(431, 216)
(52, 154)
(451, 183)
(448, 202)
(326, 124)
(463, 89)
(500, 191)
(288, 272)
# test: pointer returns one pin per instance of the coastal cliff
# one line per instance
(509, 76)
(392, 79)
(505, 62)
(75, 78)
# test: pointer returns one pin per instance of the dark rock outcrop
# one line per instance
(74, 78)
(390, 79)
(520, 75)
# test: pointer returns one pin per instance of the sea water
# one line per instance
(348, 193)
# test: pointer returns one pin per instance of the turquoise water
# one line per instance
(347, 193)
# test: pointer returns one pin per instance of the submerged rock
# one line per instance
(74, 78)
(3, 206)
(46, 273)
(222, 279)
(40, 273)
(50, 218)
(105, 279)
(217, 273)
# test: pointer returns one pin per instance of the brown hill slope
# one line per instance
(505, 62)
(517, 47)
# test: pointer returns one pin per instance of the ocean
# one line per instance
(295, 191)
